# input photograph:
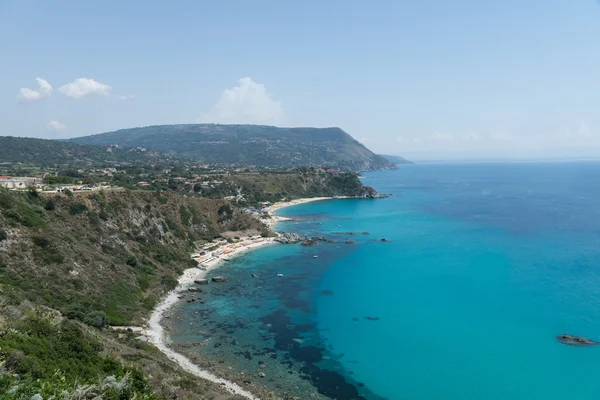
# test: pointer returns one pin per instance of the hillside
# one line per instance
(249, 145)
(42, 152)
(97, 258)
(72, 263)
(252, 188)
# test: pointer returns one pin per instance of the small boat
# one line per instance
(226, 259)
(315, 256)
(280, 275)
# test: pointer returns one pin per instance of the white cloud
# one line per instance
(247, 103)
(126, 97)
(27, 95)
(363, 139)
(82, 87)
(57, 126)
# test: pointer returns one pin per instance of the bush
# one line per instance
(50, 205)
(97, 319)
(77, 208)
(131, 260)
(3, 235)
(41, 241)
(77, 312)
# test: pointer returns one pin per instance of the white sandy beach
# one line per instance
(155, 333)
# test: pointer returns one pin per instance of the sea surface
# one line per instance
(482, 267)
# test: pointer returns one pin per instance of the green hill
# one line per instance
(42, 152)
(248, 145)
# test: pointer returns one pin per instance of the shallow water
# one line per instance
(485, 265)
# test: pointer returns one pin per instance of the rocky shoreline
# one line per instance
(248, 382)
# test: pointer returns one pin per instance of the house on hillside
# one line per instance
(18, 182)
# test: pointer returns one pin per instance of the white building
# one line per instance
(19, 182)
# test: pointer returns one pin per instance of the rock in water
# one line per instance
(289, 238)
(220, 279)
(571, 340)
(201, 281)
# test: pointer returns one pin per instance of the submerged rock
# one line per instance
(571, 340)
(313, 240)
(371, 318)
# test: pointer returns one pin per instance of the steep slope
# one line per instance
(114, 252)
(42, 152)
(243, 145)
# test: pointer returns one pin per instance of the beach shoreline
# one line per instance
(155, 333)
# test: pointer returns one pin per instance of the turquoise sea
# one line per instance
(483, 266)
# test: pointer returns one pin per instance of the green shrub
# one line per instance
(50, 205)
(131, 260)
(97, 319)
(77, 208)
(3, 235)
(41, 241)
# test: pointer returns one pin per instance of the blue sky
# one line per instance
(426, 79)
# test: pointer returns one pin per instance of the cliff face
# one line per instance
(115, 252)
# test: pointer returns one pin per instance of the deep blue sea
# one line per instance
(483, 266)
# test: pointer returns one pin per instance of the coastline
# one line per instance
(155, 333)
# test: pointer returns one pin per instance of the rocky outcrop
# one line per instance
(220, 279)
(289, 238)
(313, 240)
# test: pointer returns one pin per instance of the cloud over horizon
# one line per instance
(82, 87)
(247, 103)
(57, 126)
(44, 90)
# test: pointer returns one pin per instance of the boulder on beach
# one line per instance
(201, 281)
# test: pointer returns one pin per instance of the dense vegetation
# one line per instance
(249, 145)
(49, 357)
(253, 188)
(41, 152)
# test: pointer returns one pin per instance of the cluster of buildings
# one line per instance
(24, 182)
(19, 182)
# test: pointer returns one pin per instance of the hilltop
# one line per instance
(249, 145)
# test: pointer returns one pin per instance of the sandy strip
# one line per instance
(155, 333)
(283, 204)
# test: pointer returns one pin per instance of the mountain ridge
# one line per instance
(249, 145)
